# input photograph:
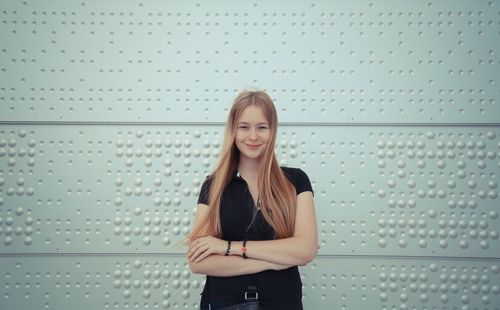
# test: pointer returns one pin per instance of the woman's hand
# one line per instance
(205, 246)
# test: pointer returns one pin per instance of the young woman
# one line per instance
(255, 221)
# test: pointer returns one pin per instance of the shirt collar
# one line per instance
(237, 176)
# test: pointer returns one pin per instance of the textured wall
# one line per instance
(112, 114)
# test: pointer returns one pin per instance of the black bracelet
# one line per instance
(228, 250)
(244, 249)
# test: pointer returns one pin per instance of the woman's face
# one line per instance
(252, 133)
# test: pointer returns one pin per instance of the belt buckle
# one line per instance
(252, 298)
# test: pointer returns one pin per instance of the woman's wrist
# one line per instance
(244, 249)
(228, 248)
(239, 248)
(236, 247)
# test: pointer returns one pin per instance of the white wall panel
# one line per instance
(111, 116)
(164, 282)
(323, 61)
(121, 189)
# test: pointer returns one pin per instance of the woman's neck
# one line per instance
(248, 167)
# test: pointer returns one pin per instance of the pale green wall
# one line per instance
(112, 114)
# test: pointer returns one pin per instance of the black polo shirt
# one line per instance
(277, 289)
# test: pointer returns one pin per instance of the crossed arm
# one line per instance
(206, 254)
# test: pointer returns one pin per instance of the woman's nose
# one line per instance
(253, 133)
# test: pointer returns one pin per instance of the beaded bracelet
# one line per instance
(244, 249)
(228, 250)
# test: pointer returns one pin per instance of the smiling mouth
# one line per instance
(253, 145)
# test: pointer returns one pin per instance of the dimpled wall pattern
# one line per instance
(112, 114)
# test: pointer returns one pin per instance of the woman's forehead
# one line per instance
(253, 114)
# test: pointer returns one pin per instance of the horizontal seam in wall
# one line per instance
(320, 256)
(285, 124)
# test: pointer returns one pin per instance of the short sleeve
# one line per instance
(204, 192)
(302, 183)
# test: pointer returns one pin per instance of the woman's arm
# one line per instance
(228, 266)
(225, 266)
(297, 250)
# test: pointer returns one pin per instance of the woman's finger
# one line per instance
(190, 252)
(197, 253)
(193, 248)
(193, 255)
(203, 255)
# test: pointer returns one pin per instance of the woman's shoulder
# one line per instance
(205, 190)
(292, 171)
(298, 178)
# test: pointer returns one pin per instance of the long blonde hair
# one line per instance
(277, 196)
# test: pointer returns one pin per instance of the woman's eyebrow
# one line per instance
(245, 123)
